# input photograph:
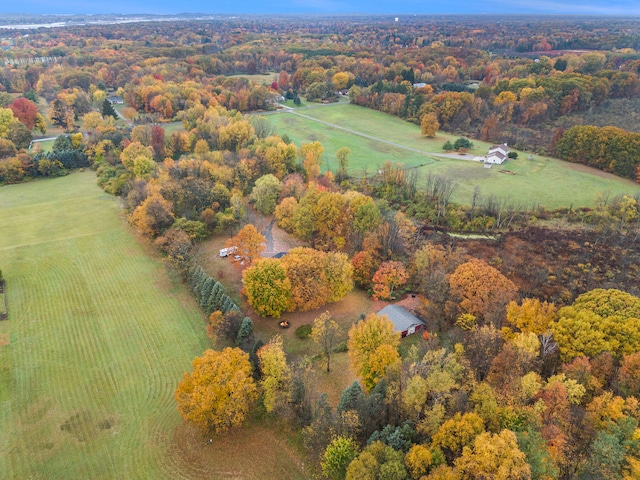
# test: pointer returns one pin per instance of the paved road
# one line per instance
(45, 139)
(458, 156)
(268, 235)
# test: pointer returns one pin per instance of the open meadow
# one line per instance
(98, 337)
(542, 180)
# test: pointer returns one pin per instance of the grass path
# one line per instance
(360, 134)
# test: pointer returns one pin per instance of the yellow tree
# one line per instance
(135, 150)
(276, 381)
(219, 392)
(324, 333)
(310, 153)
(267, 287)
(6, 119)
(494, 456)
(248, 243)
(429, 124)
(314, 278)
(373, 347)
(340, 80)
(531, 315)
(418, 461)
(458, 432)
(153, 216)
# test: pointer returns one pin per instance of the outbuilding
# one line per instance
(405, 322)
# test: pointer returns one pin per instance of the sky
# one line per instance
(394, 8)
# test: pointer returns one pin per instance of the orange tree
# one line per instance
(481, 290)
(219, 392)
(390, 275)
(249, 244)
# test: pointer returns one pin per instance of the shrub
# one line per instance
(341, 348)
(303, 331)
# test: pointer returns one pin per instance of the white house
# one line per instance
(115, 100)
(497, 154)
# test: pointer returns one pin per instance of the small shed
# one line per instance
(405, 322)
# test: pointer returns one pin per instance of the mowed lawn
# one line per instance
(543, 181)
(99, 338)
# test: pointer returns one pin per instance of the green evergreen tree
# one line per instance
(197, 291)
(108, 110)
(196, 278)
(206, 291)
(225, 303)
(352, 398)
(245, 332)
(213, 302)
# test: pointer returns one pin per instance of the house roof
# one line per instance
(498, 154)
(402, 318)
(503, 148)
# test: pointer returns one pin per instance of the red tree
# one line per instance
(389, 276)
(157, 141)
(25, 111)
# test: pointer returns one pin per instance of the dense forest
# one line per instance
(529, 366)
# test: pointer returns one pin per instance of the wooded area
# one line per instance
(530, 363)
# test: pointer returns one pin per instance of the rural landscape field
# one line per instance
(540, 180)
(332, 247)
(98, 336)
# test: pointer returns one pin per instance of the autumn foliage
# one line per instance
(389, 276)
(249, 245)
(219, 392)
(481, 290)
(373, 347)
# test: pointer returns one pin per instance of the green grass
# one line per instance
(259, 78)
(290, 103)
(99, 338)
(170, 128)
(541, 181)
(46, 146)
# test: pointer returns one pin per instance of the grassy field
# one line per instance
(259, 78)
(540, 181)
(170, 128)
(45, 146)
(99, 335)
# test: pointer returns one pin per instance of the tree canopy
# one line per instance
(218, 394)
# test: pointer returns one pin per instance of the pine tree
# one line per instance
(245, 332)
(206, 291)
(227, 304)
(224, 302)
(351, 398)
(196, 278)
(197, 291)
(213, 302)
(108, 110)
